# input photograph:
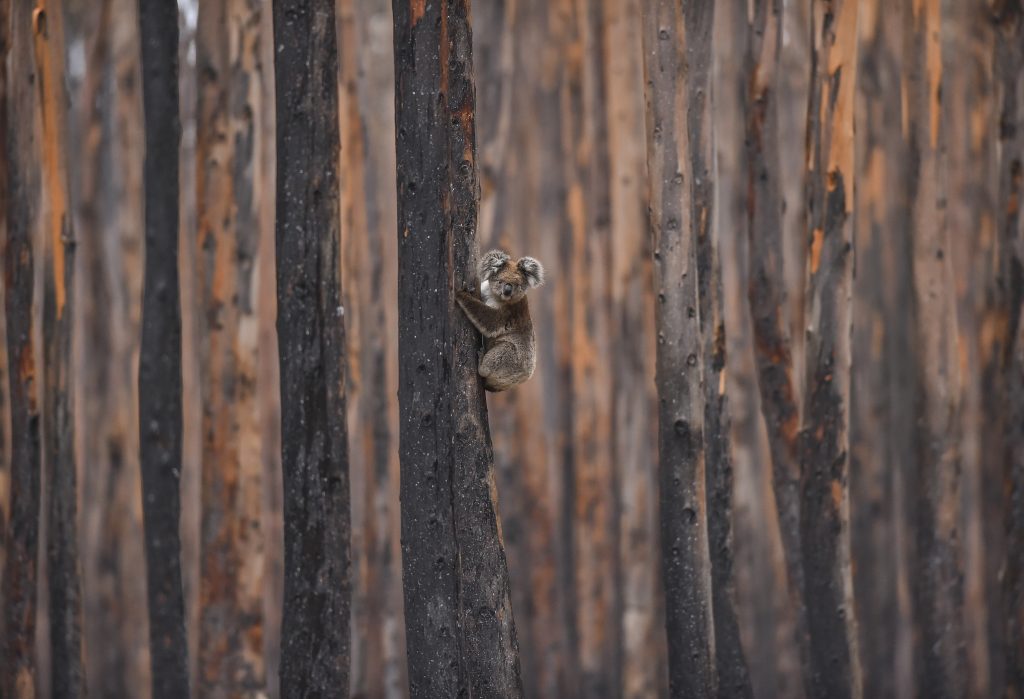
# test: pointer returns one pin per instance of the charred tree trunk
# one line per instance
(315, 637)
(459, 626)
(160, 398)
(228, 197)
(674, 165)
(1008, 349)
(18, 675)
(935, 569)
(824, 439)
(766, 292)
(58, 311)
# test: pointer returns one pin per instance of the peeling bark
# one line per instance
(824, 438)
(459, 626)
(311, 344)
(673, 167)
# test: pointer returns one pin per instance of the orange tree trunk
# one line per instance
(315, 635)
(17, 658)
(673, 166)
(459, 627)
(824, 440)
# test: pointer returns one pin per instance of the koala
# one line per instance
(502, 315)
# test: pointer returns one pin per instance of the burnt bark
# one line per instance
(160, 392)
(824, 439)
(1008, 348)
(64, 579)
(936, 569)
(673, 168)
(311, 344)
(18, 676)
(459, 626)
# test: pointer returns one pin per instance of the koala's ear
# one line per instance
(491, 263)
(532, 270)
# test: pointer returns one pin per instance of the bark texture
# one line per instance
(315, 640)
(228, 197)
(160, 397)
(824, 438)
(22, 202)
(459, 626)
(673, 169)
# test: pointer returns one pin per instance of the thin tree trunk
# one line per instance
(228, 196)
(824, 448)
(5, 367)
(311, 344)
(1008, 348)
(459, 626)
(160, 395)
(58, 311)
(673, 167)
(19, 593)
(766, 293)
(936, 568)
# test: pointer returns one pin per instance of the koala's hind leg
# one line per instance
(502, 367)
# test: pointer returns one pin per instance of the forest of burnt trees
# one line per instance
(774, 444)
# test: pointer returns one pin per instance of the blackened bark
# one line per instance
(17, 674)
(936, 569)
(730, 661)
(459, 626)
(65, 610)
(673, 169)
(824, 439)
(766, 292)
(315, 636)
(160, 398)
(1008, 65)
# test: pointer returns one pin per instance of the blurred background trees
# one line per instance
(860, 392)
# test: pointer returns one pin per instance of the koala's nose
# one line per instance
(507, 291)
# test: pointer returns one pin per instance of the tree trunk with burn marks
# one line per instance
(228, 197)
(459, 626)
(824, 439)
(311, 344)
(1007, 351)
(766, 292)
(160, 398)
(65, 608)
(673, 168)
(936, 569)
(17, 657)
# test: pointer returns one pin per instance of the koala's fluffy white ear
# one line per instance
(491, 263)
(532, 270)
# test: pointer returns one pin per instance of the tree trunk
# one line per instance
(824, 439)
(311, 345)
(5, 456)
(58, 312)
(22, 201)
(675, 158)
(935, 567)
(459, 626)
(1007, 350)
(160, 397)
(228, 197)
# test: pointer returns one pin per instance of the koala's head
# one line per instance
(509, 281)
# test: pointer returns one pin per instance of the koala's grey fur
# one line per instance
(502, 315)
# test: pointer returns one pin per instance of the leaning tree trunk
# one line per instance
(65, 610)
(673, 168)
(228, 197)
(160, 399)
(17, 657)
(311, 345)
(940, 662)
(1008, 346)
(824, 440)
(459, 626)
